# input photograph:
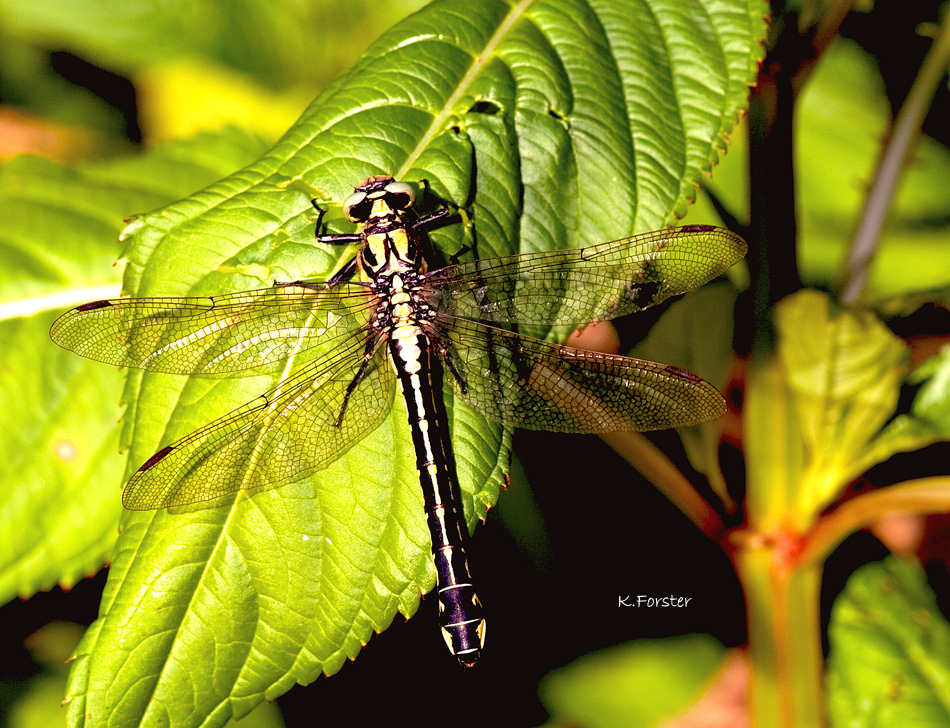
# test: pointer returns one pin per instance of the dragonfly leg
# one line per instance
(332, 238)
(443, 216)
(449, 358)
(345, 273)
(339, 238)
(321, 211)
(368, 352)
(454, 258)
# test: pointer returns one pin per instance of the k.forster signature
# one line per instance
(643, 600)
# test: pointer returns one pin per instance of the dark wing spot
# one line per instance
(683, 374)
(93, 305)
(160, 455)
(697, 228)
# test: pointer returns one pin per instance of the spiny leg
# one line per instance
(369, 350)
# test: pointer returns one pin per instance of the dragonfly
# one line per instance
(340, 347)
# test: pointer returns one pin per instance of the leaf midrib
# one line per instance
(448, 108)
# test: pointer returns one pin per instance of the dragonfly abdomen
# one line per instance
(420, 375)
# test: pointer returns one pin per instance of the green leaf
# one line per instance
(928, 420)
(889, 663)
(556, 124)
(933, 376)
(40, 708)
(844, 117)
(638, 684)
(39, 704)
(58, 506)
(813, 410)
(904, 304)
(58, 500)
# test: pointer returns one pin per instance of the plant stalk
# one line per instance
(786, 689)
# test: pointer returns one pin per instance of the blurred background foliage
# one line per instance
(89, 79)
(841, 120)
(98, 79)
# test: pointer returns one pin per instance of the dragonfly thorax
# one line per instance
(394, 250)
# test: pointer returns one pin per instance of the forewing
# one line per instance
(250, 331)
(524, 382)
(577, 286)
(284, 434)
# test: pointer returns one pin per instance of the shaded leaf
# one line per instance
(696, 335)
(907, 304)
(278, 44)
(841, 119)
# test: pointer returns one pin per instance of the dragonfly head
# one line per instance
(383, 206)
(377, 198)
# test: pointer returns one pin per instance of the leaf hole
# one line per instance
(484, 107)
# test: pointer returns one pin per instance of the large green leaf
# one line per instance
(843, 119)
(889, 663)
(556, 124)
(39, 705)
(61, 471)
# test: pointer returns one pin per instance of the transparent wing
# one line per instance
(525, 382)
(577, 286)
(217, 335)
(282, 435)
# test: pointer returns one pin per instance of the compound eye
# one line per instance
(357, 207)
(400, 195)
